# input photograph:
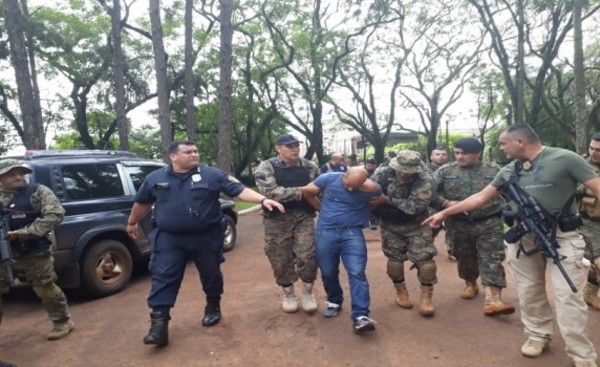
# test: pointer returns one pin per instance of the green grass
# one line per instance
(241, 205)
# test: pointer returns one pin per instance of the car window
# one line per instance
(92, 181)
(138, 173)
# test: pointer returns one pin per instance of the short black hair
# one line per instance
(371, 161)
(391, 154)
(174, 146)
(524, 131)
(596, 137)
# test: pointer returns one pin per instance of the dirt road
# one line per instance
(255, 332)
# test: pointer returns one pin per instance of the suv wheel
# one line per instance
(106, 268)
(230, 234)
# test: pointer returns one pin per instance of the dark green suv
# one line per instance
(91, 247)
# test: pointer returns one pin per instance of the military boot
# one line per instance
(159, 329)
(60, 330)
(426, 307)
(471, 290)
(590, 295)
(309, 303)
(402, 297)
(493, 303)
(290, 302)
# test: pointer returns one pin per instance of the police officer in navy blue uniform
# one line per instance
(187, 216)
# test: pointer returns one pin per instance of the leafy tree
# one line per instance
(440, 62)
(306, 43)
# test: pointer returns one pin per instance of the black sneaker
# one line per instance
(363, 324)
(332, 309)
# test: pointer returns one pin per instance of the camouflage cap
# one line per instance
(9, 164)
(407, 161)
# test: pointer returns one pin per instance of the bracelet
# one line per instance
(131, 224)
(263, 199)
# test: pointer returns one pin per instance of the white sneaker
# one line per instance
(363, 324)
(533, 348)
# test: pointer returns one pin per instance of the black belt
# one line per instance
(468, 218)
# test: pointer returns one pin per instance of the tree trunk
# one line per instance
(34, 82)
(34, 136)
(162, 87)
(520, 107)
(581, 128)
(225, 88)
(119, 76)
(190, 110)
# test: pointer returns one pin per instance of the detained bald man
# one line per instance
(344, 212)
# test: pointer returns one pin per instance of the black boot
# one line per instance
(212, 314)
(159, 329)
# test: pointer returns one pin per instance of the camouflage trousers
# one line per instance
(410, 241)
(38, 270)
(290, 247)
(591, 233)
(479, 250)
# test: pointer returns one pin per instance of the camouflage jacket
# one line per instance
(588, 205)
(412, 197)
(455, 183)
(52, 212)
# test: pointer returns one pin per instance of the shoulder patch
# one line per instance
(233, 179)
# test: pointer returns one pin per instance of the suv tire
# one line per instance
(106, 268)
(229, 234)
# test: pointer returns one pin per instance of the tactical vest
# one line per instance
(21, 214)
(589, 205)
(293, 176)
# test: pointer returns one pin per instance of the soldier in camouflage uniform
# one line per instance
(439, 157)
(477, 235)
(33, 211)
(408, 192)
(589, 207)
(289, 236)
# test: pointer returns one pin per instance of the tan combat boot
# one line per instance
(493, 303)
(471, 290)
(309, 303)
(402, 298)
(426, 307)
(290, 302)
(60, 330)
(590, 295)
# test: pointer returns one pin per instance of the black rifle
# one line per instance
(6, 257)
(532, 218)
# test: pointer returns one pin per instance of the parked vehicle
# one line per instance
(92, 250)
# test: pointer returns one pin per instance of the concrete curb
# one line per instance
(250, 210)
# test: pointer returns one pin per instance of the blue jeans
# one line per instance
(347, 243)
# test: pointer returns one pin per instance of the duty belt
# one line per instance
(468, 218)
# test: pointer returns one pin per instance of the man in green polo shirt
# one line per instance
(550, 175)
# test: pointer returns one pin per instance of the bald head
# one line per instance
(354, 178)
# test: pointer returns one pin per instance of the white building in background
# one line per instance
(351, 142)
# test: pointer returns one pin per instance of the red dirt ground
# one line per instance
(255, 332)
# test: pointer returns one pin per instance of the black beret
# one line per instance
(469, 145)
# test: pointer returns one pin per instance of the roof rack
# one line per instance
(34, 154)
